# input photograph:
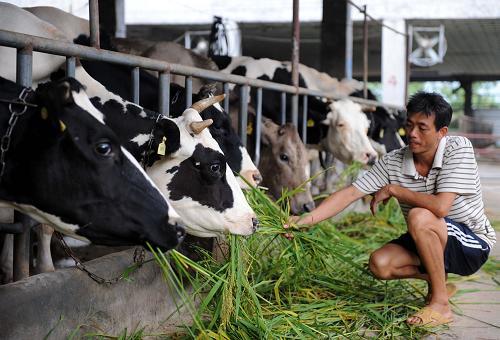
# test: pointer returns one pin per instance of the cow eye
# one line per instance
(104, 148)
(340, 124)
(215, 167)
(284, 157)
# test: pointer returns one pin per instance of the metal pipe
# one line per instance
(283, 108)
(408, 65)
(189, 91)
(135, 85)
(348, 43)
(16, 40)
(304, 119)
(24, 66)
(295, 110)
(365, 53)
(242, 114)
(226, 99)
(70, 67)
(121, 27)
(258, 126)
(94, 23)
(295, 44)
(164, 93)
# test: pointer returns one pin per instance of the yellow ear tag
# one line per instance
(44, 113)
(310, 123)
(62, 126)
(402, 132)
(249, 129)
(162, 147)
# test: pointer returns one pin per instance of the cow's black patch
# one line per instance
(221, 61)
(201, 177)
(172, 170)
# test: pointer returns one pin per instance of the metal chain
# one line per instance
(139, 255)
(6, 139)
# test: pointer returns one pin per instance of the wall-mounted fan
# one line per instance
(427, 45)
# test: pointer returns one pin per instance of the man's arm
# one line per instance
(439, 204)
(332, 205)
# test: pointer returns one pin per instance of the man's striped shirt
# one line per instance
(454, 170)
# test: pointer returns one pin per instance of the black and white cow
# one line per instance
(339, 127)
(385, 128)
(206, 213)
(117, 79)
(65, 167)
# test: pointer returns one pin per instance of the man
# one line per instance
(436, 181)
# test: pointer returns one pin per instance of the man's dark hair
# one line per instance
(431, 103)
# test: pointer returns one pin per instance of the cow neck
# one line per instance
(17, 107)
(146, 158)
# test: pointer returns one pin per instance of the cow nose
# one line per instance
(180, 232)
(372, 158)
(257, 177)
(309, 206)
(255, 224)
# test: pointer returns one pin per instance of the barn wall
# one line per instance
(68, 300)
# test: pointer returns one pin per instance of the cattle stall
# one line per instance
(26, 45)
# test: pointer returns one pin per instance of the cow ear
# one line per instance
(166, 139)
(269, 131)
(207, 90)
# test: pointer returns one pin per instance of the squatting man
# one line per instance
(436, 182)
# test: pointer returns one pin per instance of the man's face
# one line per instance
(422, 134)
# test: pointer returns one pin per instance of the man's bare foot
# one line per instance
(451, 289)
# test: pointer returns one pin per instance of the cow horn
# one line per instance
(204, 103)
(197, 127)
(368, 108)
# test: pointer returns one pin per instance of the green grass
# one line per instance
(315, 286)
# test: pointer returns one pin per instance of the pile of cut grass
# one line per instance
(314, 286)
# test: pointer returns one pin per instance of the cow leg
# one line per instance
(44, 258)
(6, 258)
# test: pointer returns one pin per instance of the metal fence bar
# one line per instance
(189, 91)
(70, 67)
(242, 114)
(365, 54)
(295, 110)
(304, 119)
(24, 66)
(164, 93)
(16, 40)
(226, 99)
(135, 85)
(258, 126)
(94, 23)
(283, 108)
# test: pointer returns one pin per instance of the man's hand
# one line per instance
(291, 220)
(383, 195)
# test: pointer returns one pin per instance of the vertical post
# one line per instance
(348, 43)
(121, 27)
(408, 64)
(21, 247)
(467, 86)
(94, 23)
(242, 114)
(164, 93)
(295, 60)
(226, 99)
(135, 85)
(70, 66)
(189, 91)
(24, 66)
(365, 53)
(283, 108)
(258, 126)
(304, 119)
(187, 40)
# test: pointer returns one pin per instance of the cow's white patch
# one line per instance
(141, 139)
(44, 217)
(82, 100)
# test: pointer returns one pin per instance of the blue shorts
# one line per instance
(464, 253)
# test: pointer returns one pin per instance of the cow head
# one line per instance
(65, 167)
(347, 136)
(198, 182)
(223, 132)
(285, 164)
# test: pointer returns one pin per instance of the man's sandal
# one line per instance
(429, 318)
(451, 289)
